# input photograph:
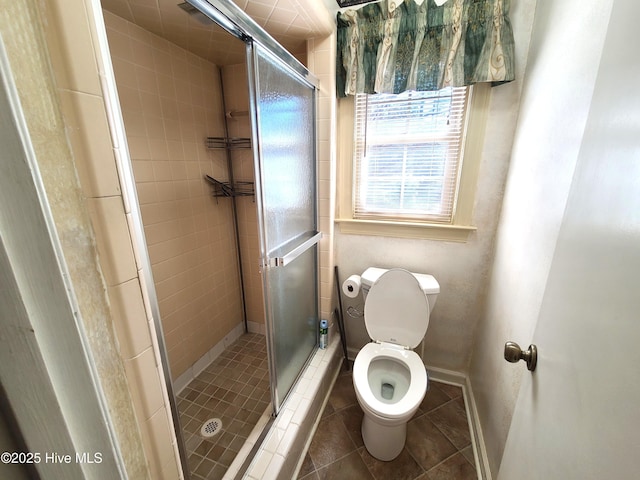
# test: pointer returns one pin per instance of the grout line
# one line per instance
(424, 413)
(445, 433)
(337, 460)
(449, 457)
(417, 462)
(243, 350)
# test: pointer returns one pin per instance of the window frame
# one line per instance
(381, 136)
(461, 225)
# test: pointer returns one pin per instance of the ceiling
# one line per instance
(290, 22)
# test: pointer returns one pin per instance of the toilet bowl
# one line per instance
(389, 378)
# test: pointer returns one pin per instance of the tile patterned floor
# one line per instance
(234, 389)
(438, 440)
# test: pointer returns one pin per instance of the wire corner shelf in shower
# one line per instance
(226, 189)
(231, 143)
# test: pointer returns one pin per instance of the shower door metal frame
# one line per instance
(268, 261)
(235, 21)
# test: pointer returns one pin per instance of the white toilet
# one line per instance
(390, 379)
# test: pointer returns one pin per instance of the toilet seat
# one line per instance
(396, 309)
(396, 315)
(417, 384)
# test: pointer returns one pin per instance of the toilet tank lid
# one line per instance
(428, 283)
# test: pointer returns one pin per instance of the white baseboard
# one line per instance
(479, 450)
(255, 327)
(447, 376)
(203, 362)
(477, 440)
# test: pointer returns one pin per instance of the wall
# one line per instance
(565, 425)
(460, 268)
(545, 151)
(321, 62)
(171, 101)
(236, 94)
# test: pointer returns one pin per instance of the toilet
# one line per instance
(389, 378)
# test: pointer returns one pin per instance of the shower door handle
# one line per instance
(281, 261)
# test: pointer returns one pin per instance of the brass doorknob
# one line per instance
(513, 353)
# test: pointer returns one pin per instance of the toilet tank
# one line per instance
(429, 284)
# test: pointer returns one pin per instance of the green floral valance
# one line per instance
(393, 46)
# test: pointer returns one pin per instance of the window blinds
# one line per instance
(407, 151)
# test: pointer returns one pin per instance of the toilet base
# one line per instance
(383, 442)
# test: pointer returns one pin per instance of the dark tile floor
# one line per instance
(233, 389)
(438, 440)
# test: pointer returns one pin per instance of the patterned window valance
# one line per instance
(393, 46)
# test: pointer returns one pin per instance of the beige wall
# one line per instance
(462, 269)
(236, 93)
(171, 101)
(321, 62)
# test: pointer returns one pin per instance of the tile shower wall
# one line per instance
(234, 79)
(321, 62)
(171, 102)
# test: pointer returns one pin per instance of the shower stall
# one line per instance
(225, 169)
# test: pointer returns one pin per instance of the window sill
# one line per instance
(427, 231)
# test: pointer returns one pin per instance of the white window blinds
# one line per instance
(407, 152)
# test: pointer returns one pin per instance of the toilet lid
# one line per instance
(396, 309)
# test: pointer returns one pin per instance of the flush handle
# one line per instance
(513, 353)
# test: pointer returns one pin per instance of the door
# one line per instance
(283, 122)
(577, 415)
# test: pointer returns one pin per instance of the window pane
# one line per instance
(382, 194)
(407, 149)
(423, 195)
(426, 159)
(383, 160)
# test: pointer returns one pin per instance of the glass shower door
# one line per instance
(283, 123)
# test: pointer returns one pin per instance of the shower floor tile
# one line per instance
(438, 440)
(233, 389)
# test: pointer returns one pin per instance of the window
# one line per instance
(407, 153)
(407, 176)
